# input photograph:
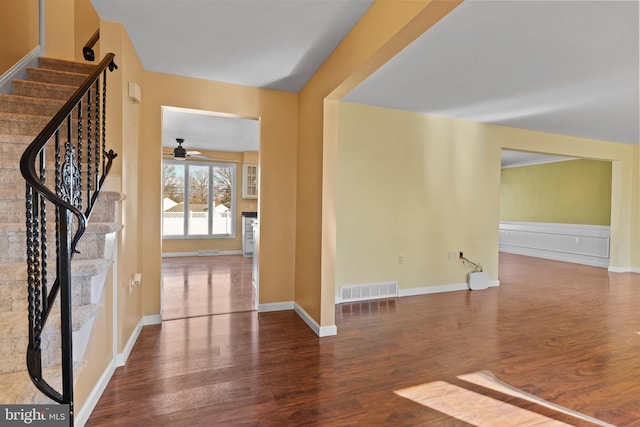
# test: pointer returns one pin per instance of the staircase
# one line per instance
(23, 115)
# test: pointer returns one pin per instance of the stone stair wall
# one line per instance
(23, 115)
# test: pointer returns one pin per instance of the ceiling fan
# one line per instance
(180, 153)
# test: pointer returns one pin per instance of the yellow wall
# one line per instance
(19, 31)
(277, 112)
(385, 29)
(67, 23)
(172, 245)
(421, 186)
(59, 24)
(417, 186)
(68, 26)
(123, 136)
(86, 23)
(569, 192)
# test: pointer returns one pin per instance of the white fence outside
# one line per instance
(173, 223)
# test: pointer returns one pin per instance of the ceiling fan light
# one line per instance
(179, 153)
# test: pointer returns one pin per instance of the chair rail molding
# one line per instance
(578, 243)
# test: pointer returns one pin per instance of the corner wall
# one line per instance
(385, 29)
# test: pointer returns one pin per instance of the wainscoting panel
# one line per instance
(582, 244)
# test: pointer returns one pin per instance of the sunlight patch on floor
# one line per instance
(487, 380)
(474, 408)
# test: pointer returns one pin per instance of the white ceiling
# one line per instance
(203, 130)
(276, 44)
(567, 67)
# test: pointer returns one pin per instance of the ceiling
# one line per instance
(567, 67)
(204, 130)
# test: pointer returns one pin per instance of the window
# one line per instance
(209, 208)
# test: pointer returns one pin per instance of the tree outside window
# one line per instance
(209, 209)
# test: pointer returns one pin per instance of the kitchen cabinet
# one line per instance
(249, 181)
(248, 243)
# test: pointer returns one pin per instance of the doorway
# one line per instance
(555, 207)
(207, 265)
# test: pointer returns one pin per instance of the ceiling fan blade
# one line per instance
(192, 152)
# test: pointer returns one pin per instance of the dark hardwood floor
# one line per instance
(567, 333)
(202, 286)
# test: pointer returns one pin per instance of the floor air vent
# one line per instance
(368, 292)
(209, 252)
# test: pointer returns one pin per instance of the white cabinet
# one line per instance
(256, 239)
(248, 243)
(249, 181)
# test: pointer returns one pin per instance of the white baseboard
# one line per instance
(153, 319)
(623, 270)
(121, 358)
(82, 416)
(321, 331)
(195, 253)
(276, 306)
(556, 256)
(425, 290)
(577, 243)
(19, 70)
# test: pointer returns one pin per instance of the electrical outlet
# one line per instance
(400, 259)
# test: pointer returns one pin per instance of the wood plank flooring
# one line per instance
(202, 286)
(566, 333)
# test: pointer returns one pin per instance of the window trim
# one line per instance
(211, 165)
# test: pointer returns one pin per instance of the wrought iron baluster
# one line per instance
(97, 132)
(89, 176)
(58, 190)
(43, 233)
(30, 270)
(104, 120)
(37, 296)
(79, 158)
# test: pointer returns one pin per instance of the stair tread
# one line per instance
(51, 63)
(15, 139)
(19, 228)
(30, 99)
(24, 117)
(80, 267)
(18, 388)
(19, 193)
(44, 84)
(15, 323)
(56, 72)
